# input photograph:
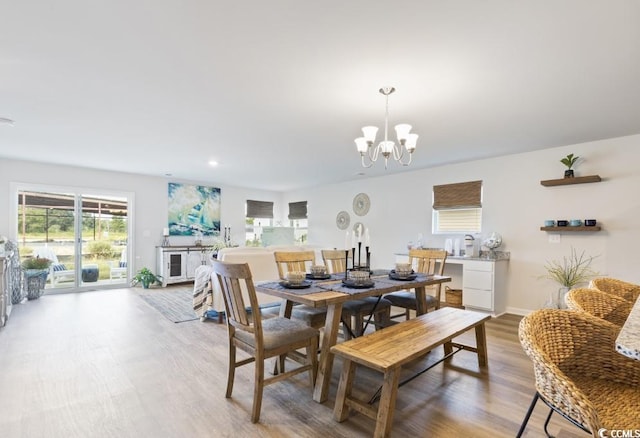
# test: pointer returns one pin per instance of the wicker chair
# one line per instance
(623, 289)
(599, 304)
(578, 373)
(261, 339)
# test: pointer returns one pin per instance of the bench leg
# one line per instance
(387, 405)
(341, 410)
(481, 345)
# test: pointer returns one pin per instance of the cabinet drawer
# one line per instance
(480, 299)
(475, 265)
(477, 280)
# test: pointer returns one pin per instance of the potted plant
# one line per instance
(146, 277)
(569, 161)
(569, 272)
(35, 270)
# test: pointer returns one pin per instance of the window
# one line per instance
(298, 220)
(259, 214)
(457, 208)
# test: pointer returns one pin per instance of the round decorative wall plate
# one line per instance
(343, 220)
(361, 204)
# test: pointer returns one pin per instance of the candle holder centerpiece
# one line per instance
(359, 274)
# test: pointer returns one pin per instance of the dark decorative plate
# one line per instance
(393, 276)
(305, 284)
(318, 277)
(354, 285)
(393, 271)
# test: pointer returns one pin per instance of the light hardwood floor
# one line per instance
(105, 364)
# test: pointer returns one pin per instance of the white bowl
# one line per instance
(296, 277)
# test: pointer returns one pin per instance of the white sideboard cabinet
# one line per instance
(484, 280)
(483, 285)
(177, 264)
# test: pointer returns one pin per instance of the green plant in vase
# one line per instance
(36, 270)
(145, 277)
(569, 161)
(570, 272)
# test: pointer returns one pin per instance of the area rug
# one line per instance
(175, 304)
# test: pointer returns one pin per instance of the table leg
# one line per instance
(325, 365)
(481, 345)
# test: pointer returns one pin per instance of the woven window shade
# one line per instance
(298, 210)
(260, 209)
(459, 195)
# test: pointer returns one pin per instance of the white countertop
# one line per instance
(485, 256)
(628, 341)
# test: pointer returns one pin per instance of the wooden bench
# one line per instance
(389, 349)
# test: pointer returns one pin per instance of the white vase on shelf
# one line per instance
(562, 292)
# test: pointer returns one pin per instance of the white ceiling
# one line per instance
(276, 91)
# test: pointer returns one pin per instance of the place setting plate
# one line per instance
(358, 285)
(394, 276)
(318, 277)
(287, 285)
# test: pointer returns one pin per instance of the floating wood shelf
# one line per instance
(569, 228)
(574, 180)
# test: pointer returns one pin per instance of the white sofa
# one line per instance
(263, 268)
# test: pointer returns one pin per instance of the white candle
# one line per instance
(346, 241)
(353, 240)
(165, 231)
(367, 238)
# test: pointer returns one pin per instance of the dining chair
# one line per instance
(261, 339)
(578, 372)
(614, 286)
(300, 261)
(354, 312)
(599, 304)
(424, 261)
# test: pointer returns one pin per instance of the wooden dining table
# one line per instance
(332, 294)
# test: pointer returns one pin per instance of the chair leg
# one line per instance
(382, 318)
(257, 389)
(232, 369)
(358, 324)
(312, 360)
(529, 412)
(546, 423)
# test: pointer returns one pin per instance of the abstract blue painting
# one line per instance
(193, 209)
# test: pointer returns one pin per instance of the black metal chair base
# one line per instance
(552, 409)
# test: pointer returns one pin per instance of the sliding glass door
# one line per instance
(84, 235)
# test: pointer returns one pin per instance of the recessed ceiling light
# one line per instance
(213, 163)
(5, 121)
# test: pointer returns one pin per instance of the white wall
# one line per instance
(151, 203)
(515, 205)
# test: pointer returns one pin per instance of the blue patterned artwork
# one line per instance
(193, 209)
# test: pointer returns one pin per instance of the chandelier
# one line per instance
(387, 148)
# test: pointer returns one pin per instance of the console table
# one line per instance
(177, 264)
